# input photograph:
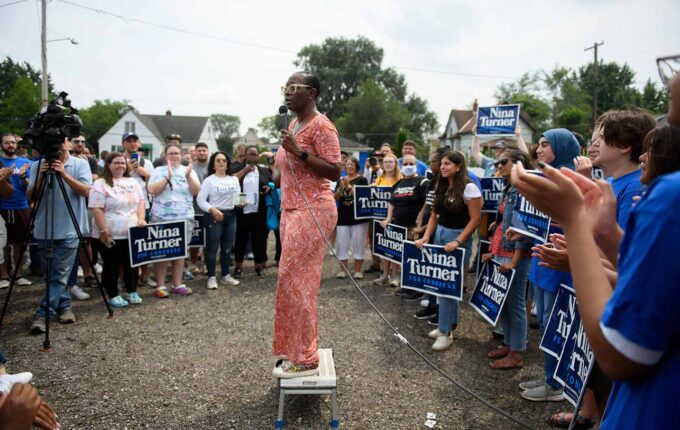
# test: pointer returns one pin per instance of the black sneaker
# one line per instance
(412, 296)
(426, 313)
(434, 320)
(238, 273)
(373, 269)
(259, 271)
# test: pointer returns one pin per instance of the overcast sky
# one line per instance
(156, 69)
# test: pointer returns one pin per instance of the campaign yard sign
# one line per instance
(157, 242)
(498, 120)
(198, 233)
(433, 270)
(561, 317)
(491, 291)
(575, 363)
(371, 202)
(528, 220)
(492, 192)
(388, 242)
(562, 367)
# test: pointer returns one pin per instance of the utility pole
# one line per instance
(595, 66)
(43, 52)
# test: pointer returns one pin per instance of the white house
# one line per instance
(152, 129)
(458, 132)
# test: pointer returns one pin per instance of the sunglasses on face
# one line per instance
(292, 88)
(502, 162)
(78, 141)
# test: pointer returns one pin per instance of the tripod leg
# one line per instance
(24, 245)
(72, 214)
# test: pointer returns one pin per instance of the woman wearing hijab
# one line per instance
(558, 148)
(308, 159)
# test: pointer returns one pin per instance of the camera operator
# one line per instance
(372, 170)
(77, 179)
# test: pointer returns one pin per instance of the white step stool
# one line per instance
(322, 383)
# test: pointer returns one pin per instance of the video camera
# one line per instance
(48, 129)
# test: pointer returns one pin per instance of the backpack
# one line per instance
(273, 203)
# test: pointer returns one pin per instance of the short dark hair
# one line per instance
(627, 129)
(201, 145)
(409, 142)
(581, 140)
(312, 80)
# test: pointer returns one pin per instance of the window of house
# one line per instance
(130, 127)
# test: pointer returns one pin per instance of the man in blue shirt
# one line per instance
(488, 163)
(409, 148)
(14, 209)
(77, 179)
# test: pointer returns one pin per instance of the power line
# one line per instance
(11, 3)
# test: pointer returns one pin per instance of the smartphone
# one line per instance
(134, 156)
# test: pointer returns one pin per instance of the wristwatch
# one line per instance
(304, 155)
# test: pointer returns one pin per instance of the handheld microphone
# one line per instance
(283, 117)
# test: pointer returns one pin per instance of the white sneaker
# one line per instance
(424, 303)
(382, 280)
(341, 274)
(8, 381)
(434, 334)
(442, 343)
(80, 272)
(212, 283)
(358, 275)
(394, 283)
(4, 284)
(533, 310)
(98, 268)
(149, 282)
(229, 280)
(23, 282)
(78, 293)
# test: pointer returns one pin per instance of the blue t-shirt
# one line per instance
(420, 167)
(625, 188)
(475, 179)
(78, 169)
(18, 200)
(641, 320)
(489, 166)
(545, 278)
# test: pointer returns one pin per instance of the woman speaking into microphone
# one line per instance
(308, 158)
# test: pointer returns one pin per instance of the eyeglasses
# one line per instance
(595, 142)
(502, 162)
(220, 160)
(78, 141)
(292, 88)
(119, 163)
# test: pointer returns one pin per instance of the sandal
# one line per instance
(506, 364)
(560, 420)
(499, 352)
(91, 280)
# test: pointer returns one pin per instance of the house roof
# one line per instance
(189, 127)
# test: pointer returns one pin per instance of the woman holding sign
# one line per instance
(391, 175)
(511, 255)
(173, 187)
(117, 203)
(456, 213)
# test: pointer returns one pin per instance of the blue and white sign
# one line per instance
(388, 242)
(562, 367)
(492, 193)
(528, 220)
(433, 270)
(198, 233)
(371, 202)
(157, 242)
(498, 120)
(575, 363)
(561, 317)
(491, 291)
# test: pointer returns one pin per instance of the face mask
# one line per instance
(408, 170)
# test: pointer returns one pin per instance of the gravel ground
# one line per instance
(203, 362)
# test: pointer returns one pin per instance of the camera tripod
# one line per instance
(50, 178)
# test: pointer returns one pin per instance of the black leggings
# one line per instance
(113, 258)
(255, 227)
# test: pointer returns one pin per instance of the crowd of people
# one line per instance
(612, 240)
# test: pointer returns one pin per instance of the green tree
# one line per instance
(20, 103)
(374, 113)
(614, 85)
(226, 128)
(654, 98)
(101, 116)
(343, 65)
(269, 127)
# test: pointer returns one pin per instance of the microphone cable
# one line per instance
(396, 333)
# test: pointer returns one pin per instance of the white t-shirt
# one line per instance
(218, 192)
(251, 186)
(119, 203)
(471, 192)
(175, 202)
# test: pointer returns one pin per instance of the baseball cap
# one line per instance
(501, 144)
(130, 134)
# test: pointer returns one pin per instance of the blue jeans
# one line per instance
(64, 253)
(219, 234)
(513, 318)
(448, 308)
(544, 303)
